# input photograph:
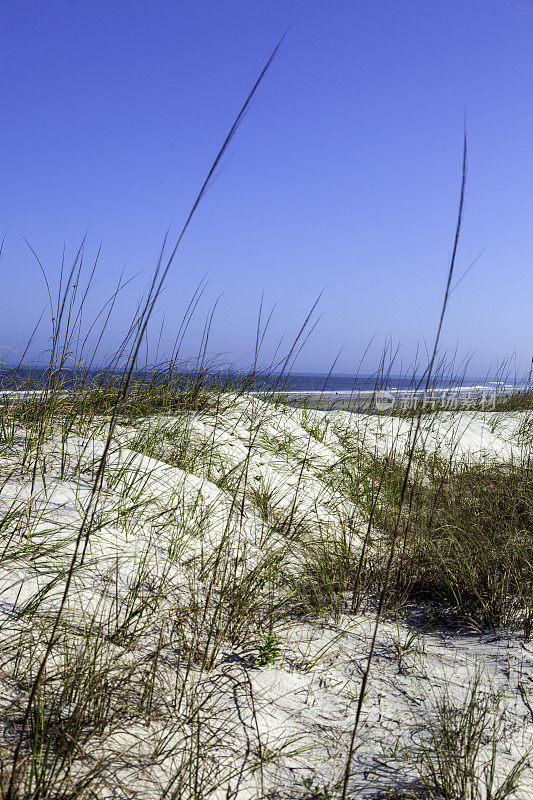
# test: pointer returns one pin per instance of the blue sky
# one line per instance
(344, 176)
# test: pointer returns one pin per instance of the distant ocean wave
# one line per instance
(366, 384)
(29, 379)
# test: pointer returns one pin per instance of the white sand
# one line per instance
(298, 713)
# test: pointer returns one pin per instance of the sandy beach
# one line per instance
(179, 544)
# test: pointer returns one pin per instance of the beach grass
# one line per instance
(209, 592)
(185, 580)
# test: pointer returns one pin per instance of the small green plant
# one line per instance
(402, 646)
(268, 651)
(318, 792)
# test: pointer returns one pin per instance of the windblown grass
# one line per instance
(467, 544)
(457, 759)
(144, 657)
(160, 528)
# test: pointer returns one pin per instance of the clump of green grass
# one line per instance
(328, 573)
(457, 758)
(518, 400)
(466, 540)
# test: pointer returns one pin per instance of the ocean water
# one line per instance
(294, 384)
(348, 384)
(393, 392)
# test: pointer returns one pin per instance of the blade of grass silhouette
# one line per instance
(467, 270)
(203, 189)
(88, 517)
(30, 340)
(414, 439)
(45, 280)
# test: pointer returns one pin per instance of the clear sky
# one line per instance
(344, 176)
